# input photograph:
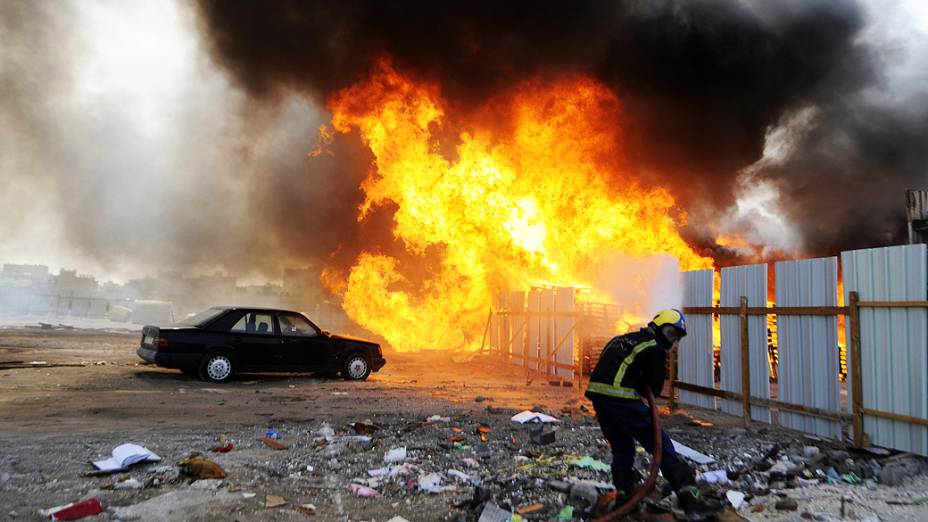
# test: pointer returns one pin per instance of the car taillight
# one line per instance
(160, 342)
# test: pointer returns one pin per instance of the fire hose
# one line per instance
(648, 485)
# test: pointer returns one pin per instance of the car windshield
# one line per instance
(203, 317)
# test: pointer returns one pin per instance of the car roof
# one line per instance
(257, 308)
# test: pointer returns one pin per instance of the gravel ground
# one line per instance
(94, 395)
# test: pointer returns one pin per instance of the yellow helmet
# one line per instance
(669, 326)
(670, 316)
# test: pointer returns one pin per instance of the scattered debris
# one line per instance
(224, 446)
(395, 455)
(692, 454)
(438, 418)
(530, 508)
(197, 467)
(531, 416)
(591, 463)
(305, 509)
(735, 498)
(363, 491)
(75, 510)
(493, 513)
(273, 443)
(129, 483)
(786, 504)
(273, 501)
(124, 456)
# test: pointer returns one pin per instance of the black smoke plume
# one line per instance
(702, 82)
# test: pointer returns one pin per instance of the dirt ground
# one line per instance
(95, 394)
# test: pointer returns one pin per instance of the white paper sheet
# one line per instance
(126, 455)
(692, 454)
(531, 416)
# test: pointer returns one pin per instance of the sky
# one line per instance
(121, 141)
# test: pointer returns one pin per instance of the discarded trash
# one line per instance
(340, 394)
(130, 483)
(225, 445)
(75, 510)
(431, 483)
(735, 498)
(566, 513)
(786, 504)
(531, 416)
(273, 443)
(470, 463)
(395, 455)
(196, 467)
(364, 429)
(249, 495)
(530, 508)
(124, 456)
(540, 435)
(391, 471)
(482, 432)
(360, 439)
(493, 513)
(851, 478)
(692, 454)
(397, 518)
(438, 418)
(591, 463)
(306, 509)
(464, 477)
(273, 501)
(363, 491)
(325, 430)
(716, 476)
(272, 434)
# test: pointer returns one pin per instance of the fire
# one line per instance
(534, 193)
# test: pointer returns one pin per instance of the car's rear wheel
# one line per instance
(356, 367)
(217, 367)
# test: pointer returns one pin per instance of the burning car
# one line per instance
(220, 341)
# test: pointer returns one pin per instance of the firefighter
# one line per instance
(627, 364)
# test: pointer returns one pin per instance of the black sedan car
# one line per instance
(217, 343)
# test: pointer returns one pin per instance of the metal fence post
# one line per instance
(745, 364)
(856, 378)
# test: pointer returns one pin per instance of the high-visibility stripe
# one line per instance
(616, 389)
(629, 359)
(613, 391)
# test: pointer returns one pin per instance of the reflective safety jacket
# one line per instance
(627, 363)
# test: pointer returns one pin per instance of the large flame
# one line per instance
(535, 193)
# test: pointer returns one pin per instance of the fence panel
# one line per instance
(565, 331)
(694, 357)
(749, 281)
(534, 326)
(807, 344)
(893, 341)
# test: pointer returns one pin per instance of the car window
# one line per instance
(254, 323)
(295, 325)
(203, 317)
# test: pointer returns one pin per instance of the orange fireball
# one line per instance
(535, 193)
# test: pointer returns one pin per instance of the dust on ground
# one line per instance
(93, 394)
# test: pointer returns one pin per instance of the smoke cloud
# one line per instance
(703, 85)
(125, 151)
(174, 135)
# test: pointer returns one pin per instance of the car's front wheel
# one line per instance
(356, 367)
(217, 367)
